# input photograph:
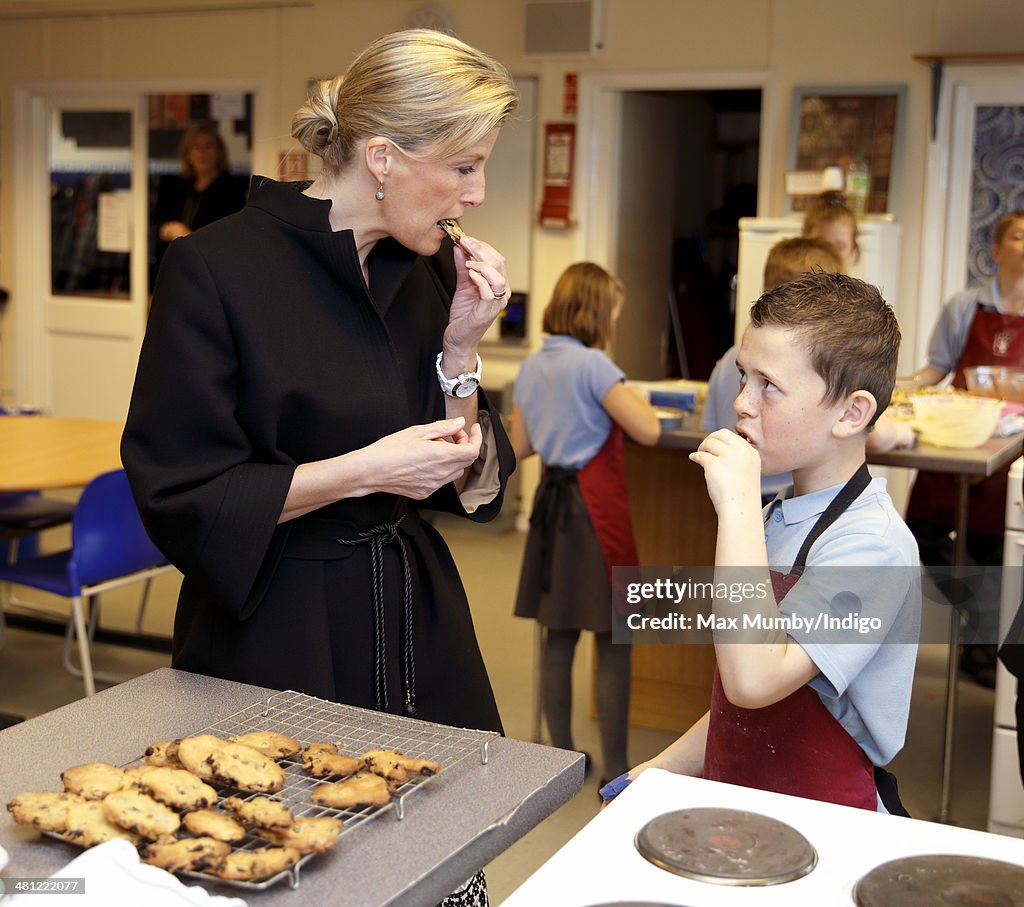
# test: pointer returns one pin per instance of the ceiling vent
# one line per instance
(563, 28)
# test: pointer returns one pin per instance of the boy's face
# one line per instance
(780, 406)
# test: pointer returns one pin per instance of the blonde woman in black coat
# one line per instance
(310, 380)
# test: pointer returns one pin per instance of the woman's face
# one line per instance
(203, 154)
(420, 193)
(840, 234)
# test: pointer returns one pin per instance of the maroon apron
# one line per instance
(603, 486)
(994, 339)
(794, 746)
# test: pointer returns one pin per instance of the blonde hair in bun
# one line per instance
(428, 92)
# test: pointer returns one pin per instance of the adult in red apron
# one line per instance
(796, 746)
(994, 338)
(580, 529)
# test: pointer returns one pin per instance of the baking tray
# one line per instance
(355, 731)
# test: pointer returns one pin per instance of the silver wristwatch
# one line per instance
(465, 385)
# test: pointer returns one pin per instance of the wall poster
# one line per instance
(832, 124)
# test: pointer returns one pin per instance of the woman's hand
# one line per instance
(173, 229)
(417, 461)
(481, 275)
(414, 463)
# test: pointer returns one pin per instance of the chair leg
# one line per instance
(538, 708)
(142, 605)
(77, 628)
(5, 590)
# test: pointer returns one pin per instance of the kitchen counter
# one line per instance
(600, 865)
(457, 824)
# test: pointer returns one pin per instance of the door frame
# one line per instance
(600, 97)
(36, 309)
(947, 202)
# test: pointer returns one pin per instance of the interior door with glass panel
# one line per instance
(88, 258)
(92, 197)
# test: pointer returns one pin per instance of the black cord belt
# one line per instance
(377, 537)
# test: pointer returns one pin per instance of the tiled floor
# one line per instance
(32, 681)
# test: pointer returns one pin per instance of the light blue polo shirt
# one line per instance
(559, 390)
(865, 686)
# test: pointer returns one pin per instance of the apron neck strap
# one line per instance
(847, 495)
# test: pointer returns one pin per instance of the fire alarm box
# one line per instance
(559, 153)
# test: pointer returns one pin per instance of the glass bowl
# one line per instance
(996, 381)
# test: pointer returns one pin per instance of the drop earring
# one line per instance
(379, 194)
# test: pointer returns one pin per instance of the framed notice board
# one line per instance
(831, 124)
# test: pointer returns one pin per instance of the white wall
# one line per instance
(800, 41)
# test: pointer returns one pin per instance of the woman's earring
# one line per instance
(379, 194)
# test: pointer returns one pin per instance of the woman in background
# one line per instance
(572, 407)
(206, 190)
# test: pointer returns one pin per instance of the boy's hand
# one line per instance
(732, 470)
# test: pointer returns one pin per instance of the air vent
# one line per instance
(563, 28)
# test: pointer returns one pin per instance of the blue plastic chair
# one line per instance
(109, 548)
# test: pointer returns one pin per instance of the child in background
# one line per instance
(572, 407)
(834, 222)
(817, 718)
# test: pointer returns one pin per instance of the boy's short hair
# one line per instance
(790, 258)
(849, 330)
(1003, 225)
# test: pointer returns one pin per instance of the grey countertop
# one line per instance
(452, 828)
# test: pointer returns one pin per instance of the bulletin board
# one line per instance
(831, 124)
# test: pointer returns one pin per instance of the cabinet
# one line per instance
(675, 523)
(878, 238)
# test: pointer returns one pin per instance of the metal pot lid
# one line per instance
(726, 846)
(941, 879)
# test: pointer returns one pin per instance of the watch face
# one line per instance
(467, 387)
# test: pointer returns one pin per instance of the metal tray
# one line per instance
(355, 731)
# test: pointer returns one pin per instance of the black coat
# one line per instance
(265, 350)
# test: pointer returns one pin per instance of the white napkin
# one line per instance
(114, 874)
(3, 858)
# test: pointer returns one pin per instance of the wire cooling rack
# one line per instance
(354, 731)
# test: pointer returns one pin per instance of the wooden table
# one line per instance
(40, 452)
(457, 824)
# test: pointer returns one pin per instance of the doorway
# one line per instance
(81, 254)
(674, 166)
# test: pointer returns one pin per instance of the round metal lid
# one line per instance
(941, 879)
(726, 846)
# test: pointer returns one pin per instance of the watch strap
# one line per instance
(450, 385)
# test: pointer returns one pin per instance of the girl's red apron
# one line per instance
(794, 746)
(552, 552)
(994, 339)
(603, 485)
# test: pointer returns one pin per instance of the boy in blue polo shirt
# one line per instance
(819, 715)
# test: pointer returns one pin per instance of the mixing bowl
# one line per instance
(956, 420)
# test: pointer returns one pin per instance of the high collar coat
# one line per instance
(266, 349)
